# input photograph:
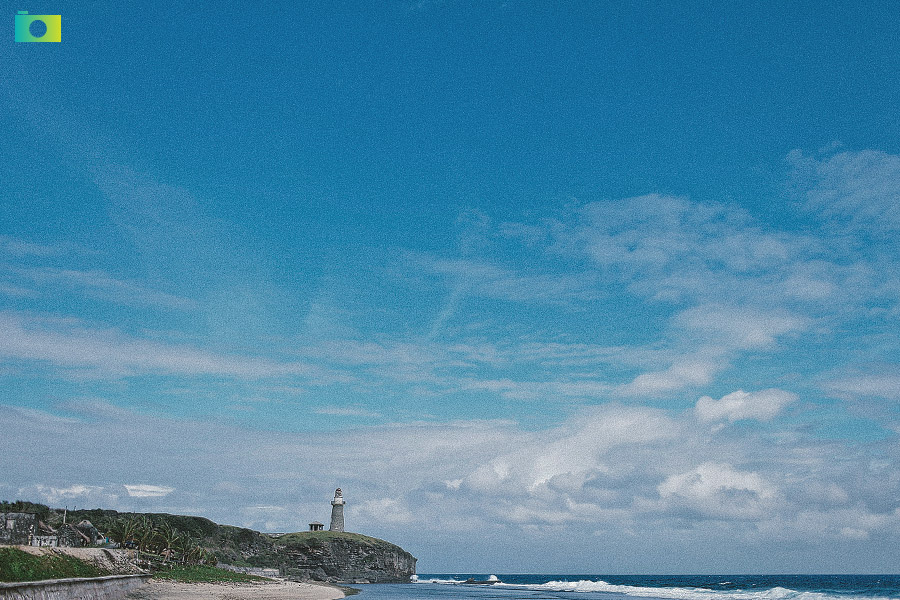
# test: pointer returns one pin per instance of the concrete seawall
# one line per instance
(86, 588)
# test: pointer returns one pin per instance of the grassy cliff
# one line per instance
(315, 539)
(309, 555)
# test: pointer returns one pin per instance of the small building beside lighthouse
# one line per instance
(337, 511)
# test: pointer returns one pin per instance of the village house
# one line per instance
(17, 528)
(24, 529)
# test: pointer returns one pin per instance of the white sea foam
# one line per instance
(679, 593)
(492, 578)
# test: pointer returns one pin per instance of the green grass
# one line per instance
(311, 537)
(16, 565)
(203, 574)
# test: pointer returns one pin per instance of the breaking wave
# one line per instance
(674, 592)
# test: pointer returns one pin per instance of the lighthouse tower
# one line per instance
(337, 511)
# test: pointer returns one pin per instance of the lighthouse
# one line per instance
(337, 511)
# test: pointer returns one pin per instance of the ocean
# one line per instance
(628, 587)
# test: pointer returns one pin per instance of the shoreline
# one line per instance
(267, 590)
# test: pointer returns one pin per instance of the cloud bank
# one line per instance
(648, 375)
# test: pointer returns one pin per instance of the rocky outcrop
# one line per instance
(339, 557)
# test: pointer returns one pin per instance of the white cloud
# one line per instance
(386, 510)
(881, 385)
(684, 372)
(859, 191)
(99, 284)
(148, 491)
(18, 247)
(110, 353)
(481, 279)
(616, 468)
(67, 494)
(720, 491)
(17, 291)
(661, 235)
(854, 534)
(762, 406)
(572, 452)
(738, 327)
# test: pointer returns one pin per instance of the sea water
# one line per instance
(628, 587)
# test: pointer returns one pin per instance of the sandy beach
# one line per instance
(275, 590)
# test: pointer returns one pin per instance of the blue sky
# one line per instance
(575, 287)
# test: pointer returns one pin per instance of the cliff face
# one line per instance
(343, 557)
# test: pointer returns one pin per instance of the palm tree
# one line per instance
(145, 533)
(168, 538)
(186, 545)
(116, 531)
(199, 555)
(123, 531)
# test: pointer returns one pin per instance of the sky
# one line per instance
(569, 287)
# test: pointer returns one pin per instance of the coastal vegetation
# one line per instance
(41, 511)
(203, 574)
(313, 538)
(17, 565)
(184, 546)
(157, 539)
